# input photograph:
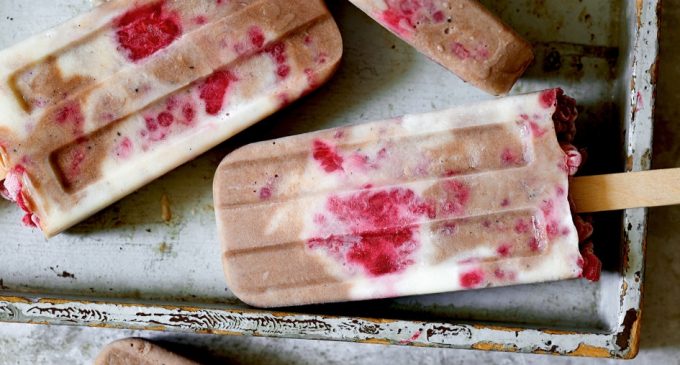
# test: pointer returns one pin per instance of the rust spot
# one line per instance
(590, 351)
(15, 300)
(377, 341)
(624, 290)
(654, 71)
(166, 212)
(221, 332)
(560, 332)
(155, 328)
(646, 158)
(630, 330)
(164, 248)
(491, 346)
(497, 328)
(629, 163)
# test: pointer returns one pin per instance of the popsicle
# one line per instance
(460, 35)
(136, 351)
(470, 197)
(97, 107)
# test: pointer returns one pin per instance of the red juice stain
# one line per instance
(311, 79)
(71, 114)
(547, 207)
(522, 226)
(393, 19)
(75, 158)
(327, 156)
(508, 157)
(165, 119)
(460, 51)
(505, 202)
(438, 16)
(256, 37)
(28, 221)
(321, 58)
(147, 29)
(448, 229)
(548, 98)
(640, 103)
(504, 250)
(278, 53)
(319, 219)
(124, 148)
(504, 275)
(457, 197)
(171, 103)
(536, 130)
(21, 202)
(214, 90)
(383, 229)
(284, 99)
(472, 279)
(200, 20)
(534, 244)
(402, 16)
(179, 113)
(189, 113)
(265, 193)
(591, 264)
(151, 124)
(552, 229)
(482, 53)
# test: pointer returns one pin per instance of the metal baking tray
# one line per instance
(129, 268)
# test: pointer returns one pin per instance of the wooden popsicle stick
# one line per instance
(600, 193)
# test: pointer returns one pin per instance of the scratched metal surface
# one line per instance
(127, 267)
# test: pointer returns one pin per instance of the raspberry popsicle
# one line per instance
(465, 198)
(101, 105)
(461, 35)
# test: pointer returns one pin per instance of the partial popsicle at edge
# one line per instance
(466, 198)
(461, 35)
(94, 109)
(137, 351)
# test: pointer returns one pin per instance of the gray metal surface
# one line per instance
(600, 52)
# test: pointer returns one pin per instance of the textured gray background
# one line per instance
(32, 344)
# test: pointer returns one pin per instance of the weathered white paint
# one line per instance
(129, 252)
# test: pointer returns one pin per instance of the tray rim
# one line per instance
(621, 342)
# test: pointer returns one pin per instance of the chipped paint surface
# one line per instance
(259, 323)
(577, 49)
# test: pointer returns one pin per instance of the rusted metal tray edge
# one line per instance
(281, 324)
(622, 342)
